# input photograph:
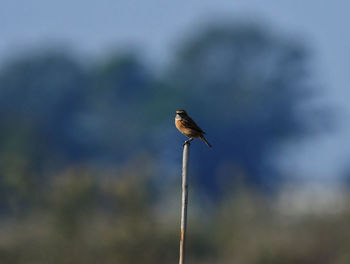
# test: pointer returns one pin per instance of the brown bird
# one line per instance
(188, 127)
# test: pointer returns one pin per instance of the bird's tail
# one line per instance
(206, 141)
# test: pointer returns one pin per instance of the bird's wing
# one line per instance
(188, 122)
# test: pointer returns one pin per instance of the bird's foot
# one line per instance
(188, 141)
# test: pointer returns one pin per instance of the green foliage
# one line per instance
(242, 84)
(245, 86)
(86, 149)
(114, 220)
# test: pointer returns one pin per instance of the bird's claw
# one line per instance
(188, 141)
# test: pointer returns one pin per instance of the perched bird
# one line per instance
(188, 127)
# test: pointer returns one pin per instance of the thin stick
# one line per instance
(184, 202)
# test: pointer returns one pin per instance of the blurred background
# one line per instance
(90, 159)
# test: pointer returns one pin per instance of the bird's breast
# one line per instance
(185, 130)
(178, 117)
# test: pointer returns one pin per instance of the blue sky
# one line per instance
(155, 27)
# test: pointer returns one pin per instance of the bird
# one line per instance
(188, 127)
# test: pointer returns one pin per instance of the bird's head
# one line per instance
(181, 112)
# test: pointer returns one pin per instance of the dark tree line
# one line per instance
(241, 83)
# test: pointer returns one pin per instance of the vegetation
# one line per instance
(90, 159)
(115, 220)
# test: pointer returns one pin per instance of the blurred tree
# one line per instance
(116, 117)
(39, 97)
(244, 86)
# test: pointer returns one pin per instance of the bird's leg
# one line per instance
(188, 141)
